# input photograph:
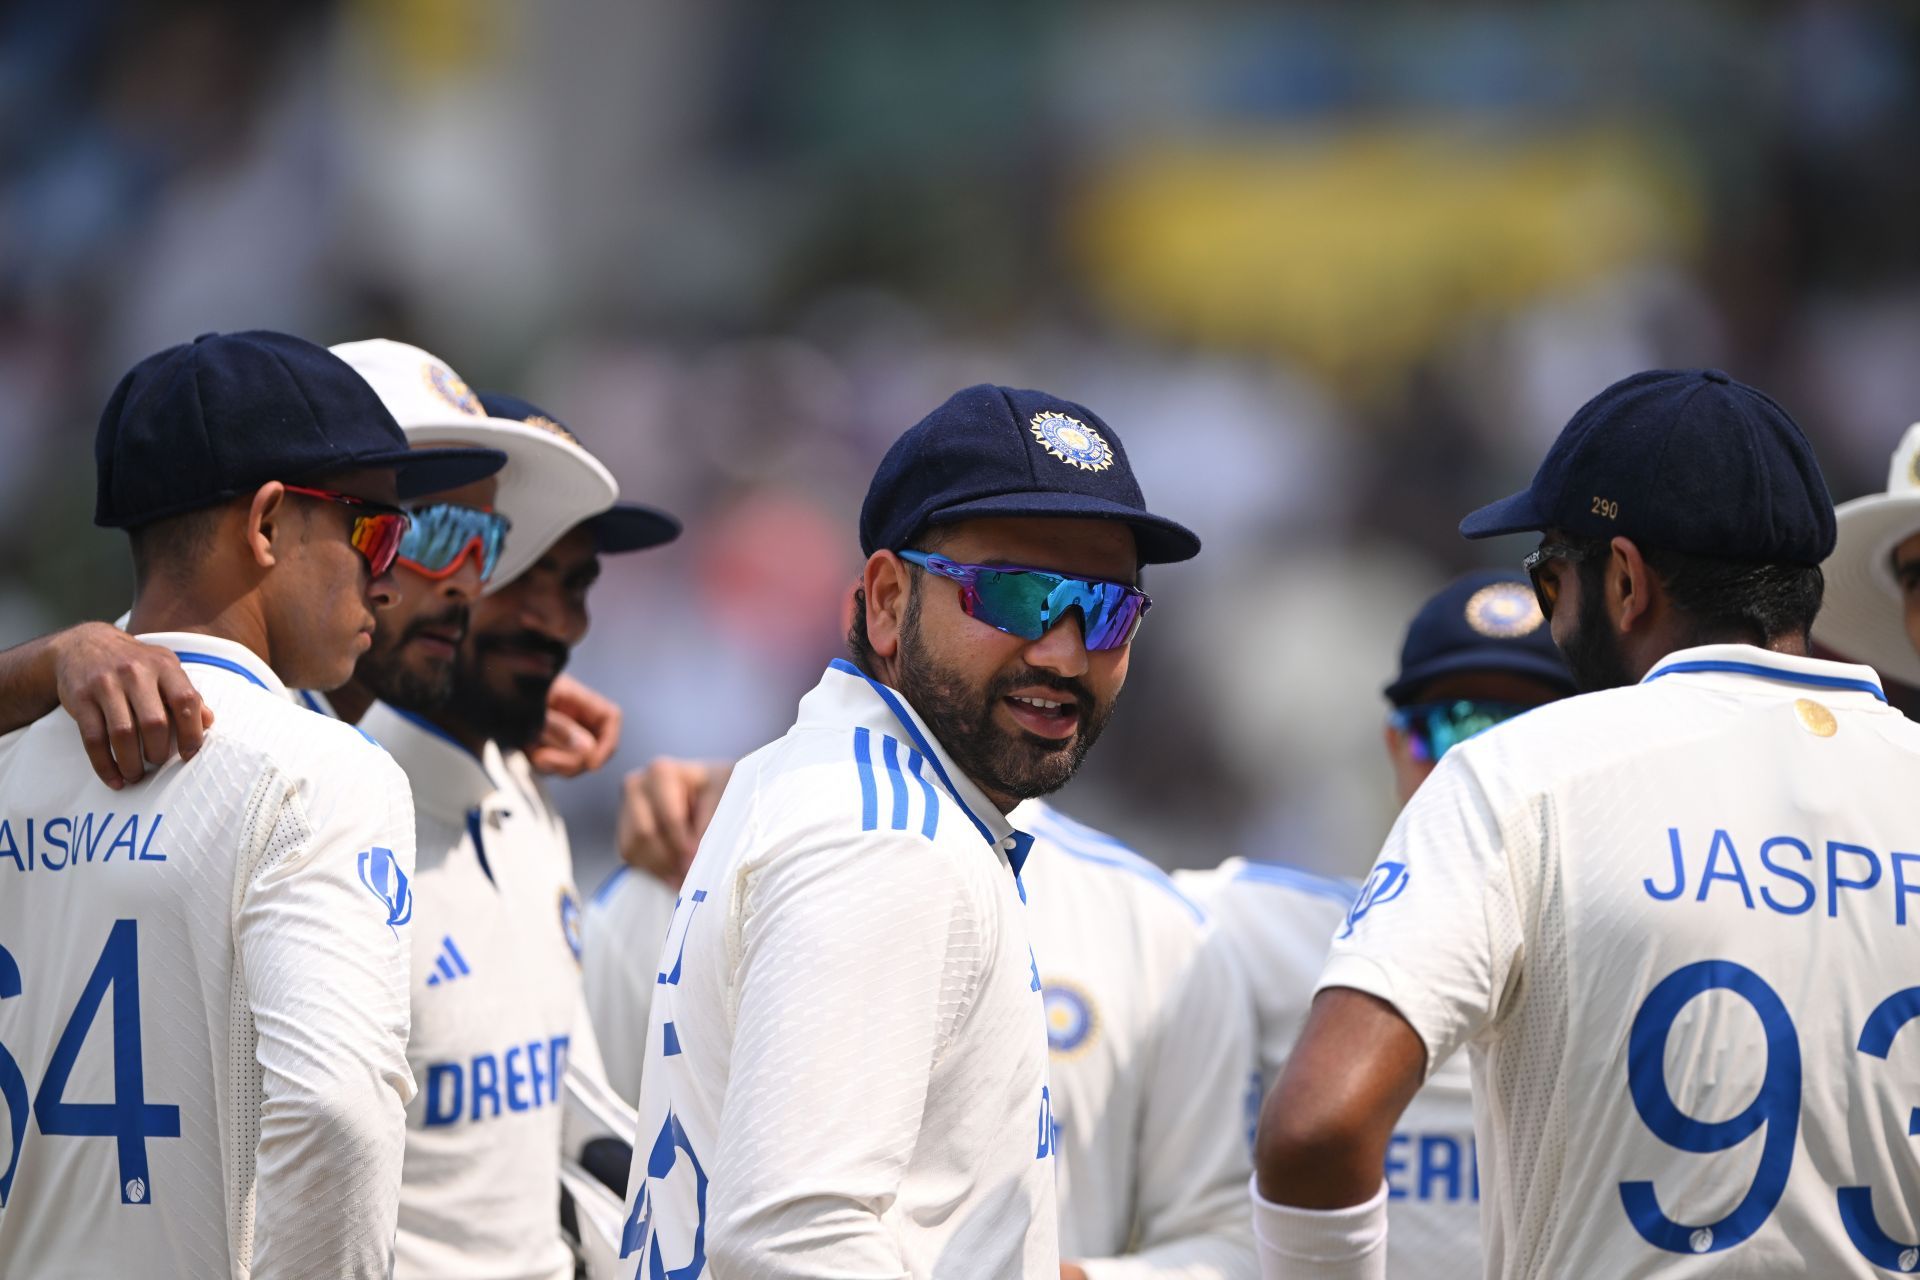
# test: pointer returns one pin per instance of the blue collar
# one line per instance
(1808, 678)
(225, 664)
(1022, 842)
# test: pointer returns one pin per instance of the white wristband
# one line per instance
(1326, 1244)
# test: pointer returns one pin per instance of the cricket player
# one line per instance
(451, 549)
(203, 1015)
(846, 1058)
(1149, 1035)
(1476, 654)
(499, 1044)
(1872, 609)
(1662, 916)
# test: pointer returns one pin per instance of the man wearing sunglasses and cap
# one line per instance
(240, 1109)
(1660, 914)
(847, 1052)
(453, 547)
(509, 1072)
(1150, 1035)
(1477, 654)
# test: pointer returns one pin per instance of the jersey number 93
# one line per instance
(1776, 1108)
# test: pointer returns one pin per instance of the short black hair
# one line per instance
(859, 646)
(1726, 600)
(172, 546)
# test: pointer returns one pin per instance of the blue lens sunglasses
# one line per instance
(1030, 602)
(443, 534)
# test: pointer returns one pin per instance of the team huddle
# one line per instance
(862, 1004)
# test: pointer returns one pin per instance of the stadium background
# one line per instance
(1335, 272)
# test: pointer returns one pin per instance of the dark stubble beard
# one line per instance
(384, 671)
(1003, 763)
(1593, 651)
(511, 710)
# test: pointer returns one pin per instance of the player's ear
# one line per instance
(266, 522)
(1629, 584)
(886, 584)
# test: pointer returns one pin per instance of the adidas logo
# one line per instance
(450, 965)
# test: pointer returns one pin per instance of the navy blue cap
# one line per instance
(1484, 621)
(222, 415)
(1684, 460)
(997, 451)
(626, 526)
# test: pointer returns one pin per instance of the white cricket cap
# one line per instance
(549, 485)
(1863, 616)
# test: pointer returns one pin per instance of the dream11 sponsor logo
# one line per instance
(1387, 881)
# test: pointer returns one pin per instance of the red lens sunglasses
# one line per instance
(377, 528)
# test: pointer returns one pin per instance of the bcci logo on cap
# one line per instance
(381, 873)
(447, 384)
(1504, 611)
(1387, 882)
(1072, 441)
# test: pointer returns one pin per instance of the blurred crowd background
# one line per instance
(1335, 272)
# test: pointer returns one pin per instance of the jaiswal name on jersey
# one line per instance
(203, 1013)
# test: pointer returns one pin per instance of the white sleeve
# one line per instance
(592, 1109)
(1191, 1212)
(321, 939)
(618, 964)
(1437, 929)
(857, 957)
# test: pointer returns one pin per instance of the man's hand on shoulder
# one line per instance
(582, 730)
(133, 701)
(665, 809)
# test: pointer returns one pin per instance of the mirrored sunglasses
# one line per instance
(1433, 728)
(444, 533)
(1030, 602)
(377, 528)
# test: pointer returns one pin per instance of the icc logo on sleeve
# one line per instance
(1386, 882)
(385, 881)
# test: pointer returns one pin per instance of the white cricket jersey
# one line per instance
(847, 1061)
(1280, 921)
(1151, 1035)
(497, 1015)
(1677, 925)
(1143, 1015)
(592, 1108)
(626, 925)
(203, 996)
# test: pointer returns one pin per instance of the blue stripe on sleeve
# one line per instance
(887, 696)
(869, 792)
(890, 752)
(931, 823)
